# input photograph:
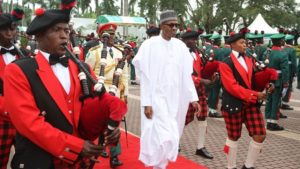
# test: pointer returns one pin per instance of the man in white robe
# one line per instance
(164, 66)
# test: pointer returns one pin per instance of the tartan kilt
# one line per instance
(251, 116)
(7, 135)
(203, 104)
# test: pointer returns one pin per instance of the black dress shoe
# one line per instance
(244, 167)
(286, 107)
(104, 154)
(215, 115)
(204, 153)
(274, 127)
(115, 162)
(282, 116)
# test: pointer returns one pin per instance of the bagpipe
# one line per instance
(104, 112)
(210, 67)
(119, 70)
(264, 76)
(100, 109)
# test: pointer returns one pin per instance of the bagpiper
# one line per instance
(8, 53)
(240, 98)
(190, 38)
(47, 107)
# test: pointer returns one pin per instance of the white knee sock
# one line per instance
(253, 152)
(231, 150)
(202, 125)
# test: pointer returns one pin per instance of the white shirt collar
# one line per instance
(235, 53)
(46, 55)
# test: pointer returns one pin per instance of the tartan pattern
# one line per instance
(7, 135)
(203, 103)
(251, 116)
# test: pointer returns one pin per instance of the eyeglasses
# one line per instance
(172, 25)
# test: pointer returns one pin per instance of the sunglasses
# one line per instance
(172, 25)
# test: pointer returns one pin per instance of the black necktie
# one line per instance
(241, 55)
(11, 51)
(53, 59)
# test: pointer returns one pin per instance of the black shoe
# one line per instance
(134, 83)
(104, 154)
(179, 148)
(274, 127)
(215, 115)
(286, 107)
(244, 167)
(204, 153)
(282, 116)
(115, 162)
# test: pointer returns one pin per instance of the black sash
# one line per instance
(28, 155)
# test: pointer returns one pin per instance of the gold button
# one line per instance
(70, 111)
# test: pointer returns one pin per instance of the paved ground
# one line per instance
(281, 149)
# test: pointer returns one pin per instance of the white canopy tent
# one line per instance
(260, 24)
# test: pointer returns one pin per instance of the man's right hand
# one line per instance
(261, 96)
(148, 112)
(91, 150)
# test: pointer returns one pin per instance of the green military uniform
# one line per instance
(279, 61)
(214, 90)
(250, 44)
(292, 60)
(206, 44)
(226, 50)
(260, 48)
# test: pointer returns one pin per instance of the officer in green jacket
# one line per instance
(214, 90)
(278, 60)
(251, 42)
(292, 60)
(206, 43)
(260, 48)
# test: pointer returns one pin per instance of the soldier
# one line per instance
(239, 102)
(113, 57)
(214, 90)
(190, 38)
(8, 53)
(260, 48)
(279, 61)
(206, 43)
(291, 53)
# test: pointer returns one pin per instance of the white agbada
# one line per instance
(164, 68)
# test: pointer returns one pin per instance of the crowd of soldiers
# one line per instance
(111, 63)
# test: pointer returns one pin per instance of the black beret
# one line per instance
(6, 19)
(153, 31)
(45, 19)
(235, 37)
(190, 35)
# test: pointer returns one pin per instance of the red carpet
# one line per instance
(130, 155)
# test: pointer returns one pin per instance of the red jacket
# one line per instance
(3, 113)
(232, 86)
